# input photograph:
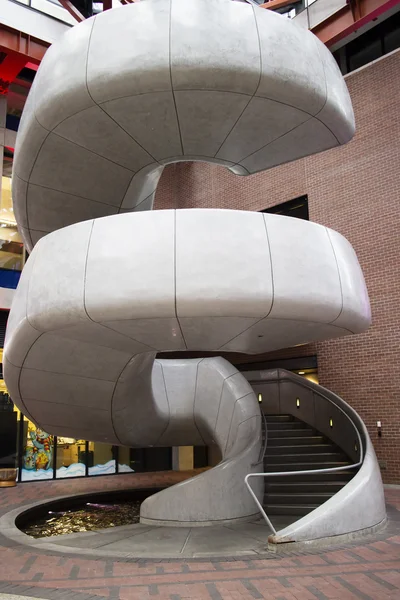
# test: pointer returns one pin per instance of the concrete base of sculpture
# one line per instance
(120, 96)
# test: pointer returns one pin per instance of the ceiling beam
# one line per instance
(345, 22)
(67, 4)
(31, 48)
(273, 4)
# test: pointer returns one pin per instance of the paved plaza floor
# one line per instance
(241, 567)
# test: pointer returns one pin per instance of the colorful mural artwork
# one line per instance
(38, 450)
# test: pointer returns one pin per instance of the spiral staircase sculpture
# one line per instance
(110, 283)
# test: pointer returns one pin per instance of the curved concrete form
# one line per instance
(360, 504)
(83, 333)
(128, 91)
(209, 403)
(120, 96)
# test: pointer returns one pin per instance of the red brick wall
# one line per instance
(356, 191)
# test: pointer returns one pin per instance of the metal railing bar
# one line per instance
(287, 473)
(264, 446)
(308, 471)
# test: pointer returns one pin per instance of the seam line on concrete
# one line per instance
(170, 76)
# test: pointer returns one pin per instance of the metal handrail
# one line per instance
(264, 447)
(282, 474)
(308, 471)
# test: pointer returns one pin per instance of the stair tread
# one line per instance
(311, 466)
(293, 438)
(275, 434)
(300, 495)
(319, 456)
(292, 506)
(310, 484)
(324, 446)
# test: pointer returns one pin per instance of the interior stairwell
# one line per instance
(295, 446)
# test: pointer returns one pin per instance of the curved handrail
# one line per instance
(263, 448)
(309, 385)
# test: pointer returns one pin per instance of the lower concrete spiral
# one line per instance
(110, 283)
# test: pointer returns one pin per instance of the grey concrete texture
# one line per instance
(233, 538)
(165, 81)
(170, 80)
(360, 504)
(83, 334)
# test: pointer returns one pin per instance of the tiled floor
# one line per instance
(368, 570)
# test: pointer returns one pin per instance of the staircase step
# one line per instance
(289, 509)
(303, 487)
(278, 418)
(294, 457)
(345, 476)
(288, 433)
(297, 441)
(303, 466)
(277, 426)
(302, 449)
(303, 498)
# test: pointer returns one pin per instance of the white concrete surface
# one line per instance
(172, 80)
(360, 504)
(83, 334)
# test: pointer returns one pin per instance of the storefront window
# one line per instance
(38, 449)
(71, 457)
(11, 246)
(8, 429)
(126, 462)
(102, 459)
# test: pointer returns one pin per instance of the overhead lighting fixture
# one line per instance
(298, 402)
(260, 397)
(302, 372)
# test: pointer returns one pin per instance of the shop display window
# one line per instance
(71, 458)
(9, 415)
(126, 462)
(101, 459)
(37, 453)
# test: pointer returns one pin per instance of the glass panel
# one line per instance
(37, 458)
(7, 211)
(322, 9)
(102, 460)
(126, 462)
(11, 247)
(70, 458)
(52, 9)
(364, 52)
(8, 429)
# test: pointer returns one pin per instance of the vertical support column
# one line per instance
(182, 458)
(3, 115)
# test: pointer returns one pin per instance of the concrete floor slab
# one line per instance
(157, 540)
(220, 540)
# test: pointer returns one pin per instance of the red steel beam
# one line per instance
(273, 4)
(9, 69)
(343, 23)
(12, 40)
(72, 10)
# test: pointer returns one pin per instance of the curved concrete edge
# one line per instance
(10, 531)
(325, 542)
(168, 523)
(358, 506)
(120, 95)
(209, 401)
(213, 497)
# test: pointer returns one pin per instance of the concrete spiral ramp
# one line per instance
(133, 89)
(120, 96)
